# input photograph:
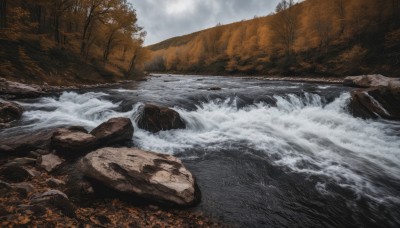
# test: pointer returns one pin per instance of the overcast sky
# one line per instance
(163, 19)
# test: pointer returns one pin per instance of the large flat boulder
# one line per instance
(150, 175)
(154, 119)
(115, 130)
(10, 111)
(70, 141)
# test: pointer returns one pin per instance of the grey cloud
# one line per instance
(163, 19)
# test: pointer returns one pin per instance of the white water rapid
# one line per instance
(299, 133)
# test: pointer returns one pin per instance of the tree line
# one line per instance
(95, 29)
(311, 37)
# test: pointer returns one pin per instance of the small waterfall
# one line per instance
(301, 132)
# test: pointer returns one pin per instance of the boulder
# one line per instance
(26, 142)
(367, 81)
(49, 162)
(19, 90)
(66, 140)
(17, 173)
(54, 199)
(149, 175)
(10, 111)
(116, 130)
(375, 103)
(154, 119)
(379, 98)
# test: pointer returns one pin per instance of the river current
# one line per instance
(274, 154)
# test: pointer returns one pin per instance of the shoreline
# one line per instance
(15, 90)
(316, 79)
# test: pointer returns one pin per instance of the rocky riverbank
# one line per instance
(376, 97)
(12, 90)
(331, 80)
(71, 177)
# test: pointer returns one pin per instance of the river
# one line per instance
(265, 153)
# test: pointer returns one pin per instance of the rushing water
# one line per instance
(275, 154)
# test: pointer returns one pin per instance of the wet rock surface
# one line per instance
(34, 198)
(141, 173)
(72, 141)
(115, 130)
(378, 98)
(10, 111)
(155, 119)
(42, 201)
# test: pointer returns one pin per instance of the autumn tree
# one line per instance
(285, 25)
(123, 23)
(318, 25)
(316, 36)
(139, 54)
(95, 10)
(59, 9)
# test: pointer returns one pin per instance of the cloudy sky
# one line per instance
(163, 19)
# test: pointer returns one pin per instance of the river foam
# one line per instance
(301, 133)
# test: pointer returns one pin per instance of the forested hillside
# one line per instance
(66, 41)
(314, 37)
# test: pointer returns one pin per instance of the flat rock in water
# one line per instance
(155, 119)
(66, 140)
(150, 175)
(115, 130)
